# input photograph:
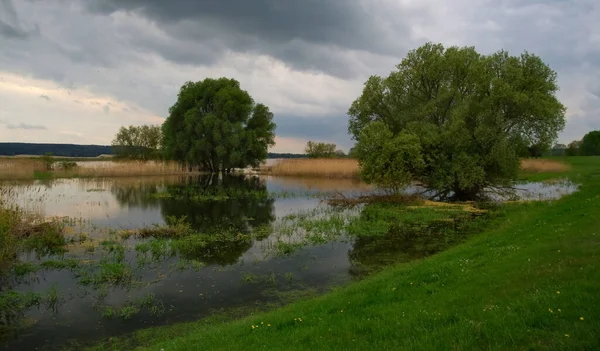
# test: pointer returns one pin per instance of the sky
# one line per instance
(74, 71)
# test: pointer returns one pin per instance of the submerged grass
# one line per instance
(528, 283)
(20, 232)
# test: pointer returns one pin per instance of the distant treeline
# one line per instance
(68, 150)
(73, 150)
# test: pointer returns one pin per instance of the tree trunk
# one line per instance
(466, 194)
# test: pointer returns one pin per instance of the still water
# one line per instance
(221, 275)
(233, 274)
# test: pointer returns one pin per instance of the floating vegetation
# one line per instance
(148, 303)
(248, 278)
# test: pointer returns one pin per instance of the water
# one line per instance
(233, 274)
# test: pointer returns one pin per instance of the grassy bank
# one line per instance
(36, 168)
(530, 283)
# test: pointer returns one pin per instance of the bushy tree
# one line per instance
(387, 160)
(352, 153)
(320, 150)
(138, 142)
(590, 144)
(466, 113)
(573, 149)
(216, 126)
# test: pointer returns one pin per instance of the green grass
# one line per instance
(19, 234)
(530, 282)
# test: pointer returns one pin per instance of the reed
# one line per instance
(29, 168)
(122, 168)
(20, 168)
(328, 168)
(543, 166)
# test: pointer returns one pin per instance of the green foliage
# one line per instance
(590, 145)
(469, 113)
(216, 126)
(353, 153)
(320, 150)
(573, 149)
(14, 304)
(67, 165)
(537, 150)
(48, 160)
(19, 235)
(138, 142)
(387, 160)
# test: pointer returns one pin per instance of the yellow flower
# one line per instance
(268, 325)
(580, 318)
(567, 335)
(341, 311)
(558, 292)
(393, 289)
(550, 310)
(559, 310)
(253, 327)
(262, 322)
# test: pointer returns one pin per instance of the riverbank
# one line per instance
(529, 283)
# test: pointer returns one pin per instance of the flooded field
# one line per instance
(157, 250)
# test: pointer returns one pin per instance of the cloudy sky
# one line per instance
(74, 71)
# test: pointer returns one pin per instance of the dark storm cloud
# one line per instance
(306, 35)
(9, 22)
(278, 21)
(140, 52)
(9, 31)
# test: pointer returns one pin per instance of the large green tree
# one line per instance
(216, 126)
(467, 115)
(590, 144)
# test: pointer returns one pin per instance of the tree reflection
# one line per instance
(402, 243)
(228, 208)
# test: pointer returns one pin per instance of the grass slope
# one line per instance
(531, 283)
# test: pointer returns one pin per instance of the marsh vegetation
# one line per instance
(96, 258)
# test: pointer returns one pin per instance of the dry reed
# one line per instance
(23, 168)
(19, 168)
(541, 165)
(122, 168)
(329, 168)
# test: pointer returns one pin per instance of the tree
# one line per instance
(466, 113)
(590, 144)
(538, 149)
(352, 153)
(320, 150)
(387, 160)
(573, 149)
(216, 126)
(138, 142)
